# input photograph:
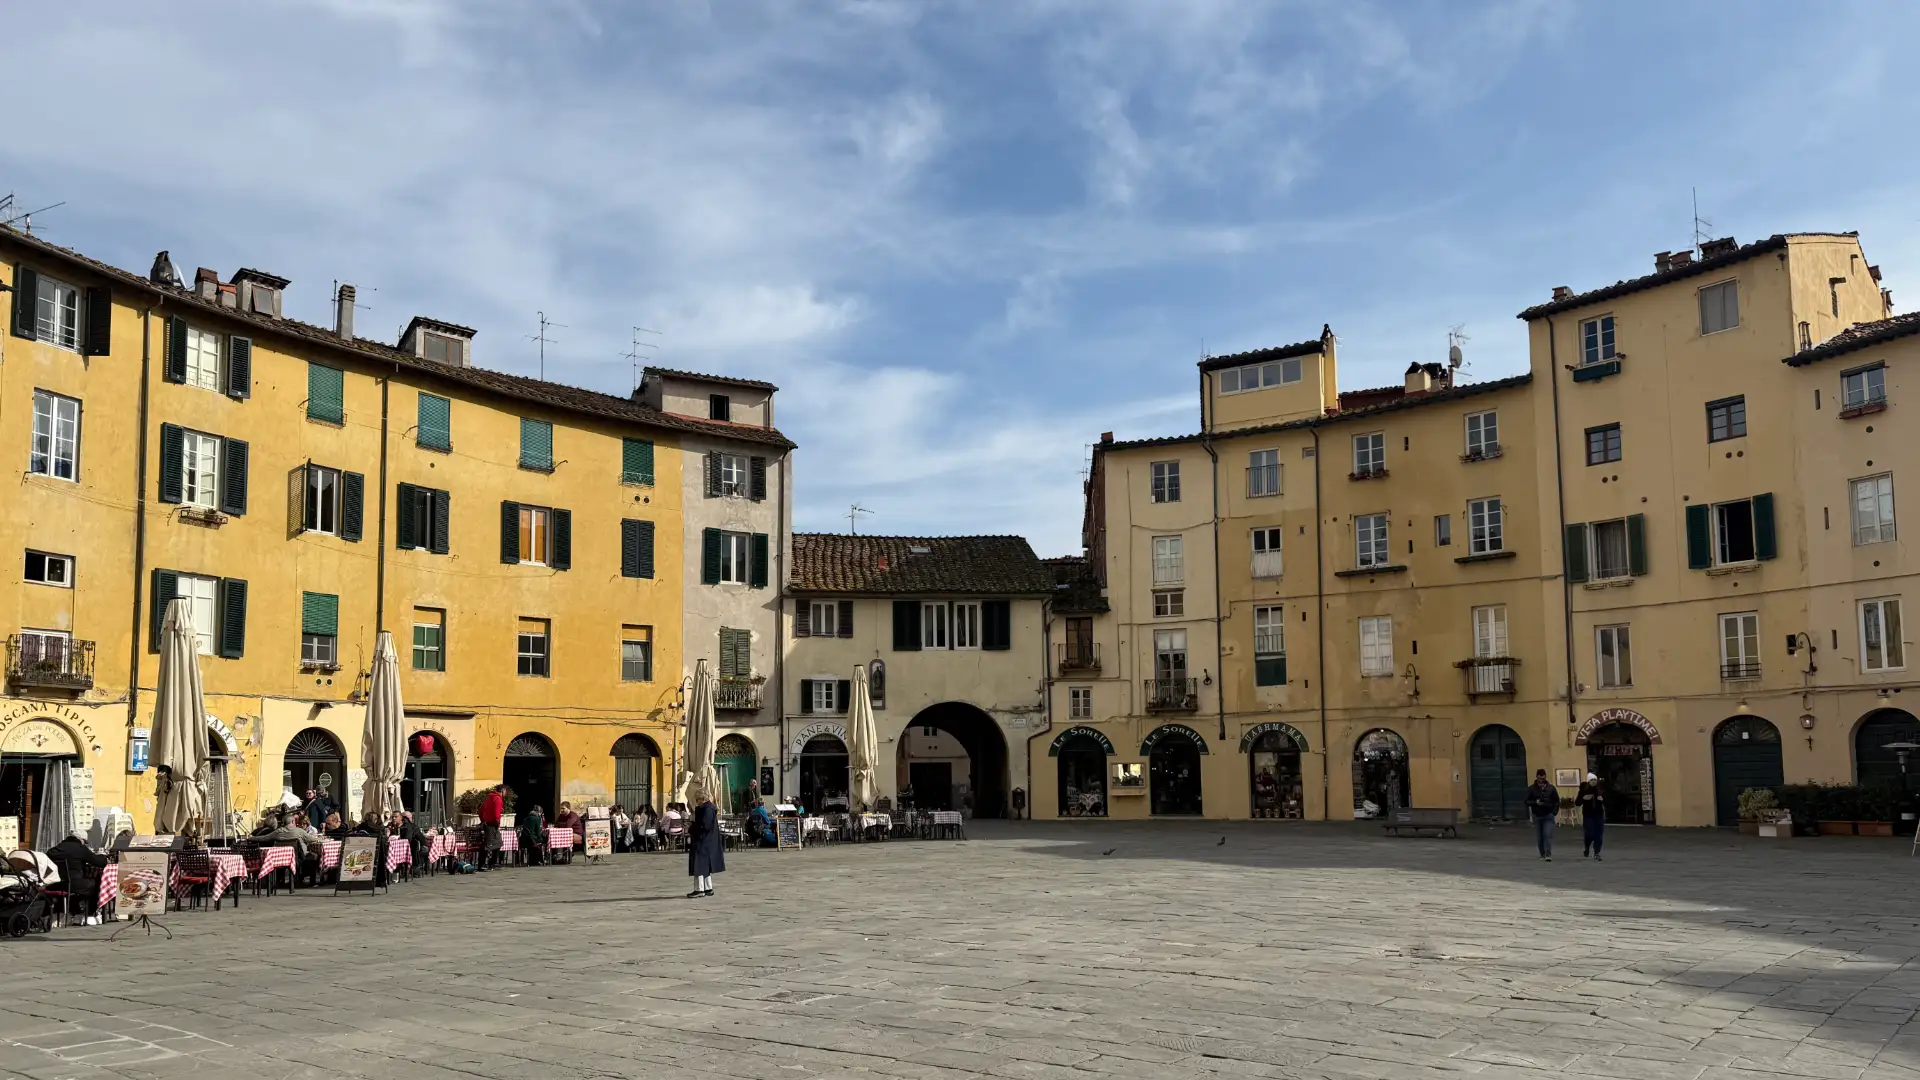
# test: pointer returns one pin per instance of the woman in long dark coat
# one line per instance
(705, 854)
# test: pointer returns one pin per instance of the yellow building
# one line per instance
(302, 488)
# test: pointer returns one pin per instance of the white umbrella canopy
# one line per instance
(383, 744)
(863, 744)
(697, 776)
(179, 725)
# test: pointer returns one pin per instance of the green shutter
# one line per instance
(996, 630)
(319, 613)
(353, 506)
(1764, 544)
(806, 695)
(239, 367)
(906, 626)
(173, 365)
(1699, 537)
(561, 557)
(757, 478)
(166, 585)
(736, 653)
(405, 534)
(757, 579)
(710, 540)
(842, 695)
(843, 626)
(1576, 553)
(99, 336)
(802, 618)
(26, 299)
(536, 445)
(713, 475)
(434, 424)
(172, 464)
(509, 532)
(233, 476)
(1270, 671)
(636, 461)
(233, 618)
(1637, 544)
(437, 534)
(636, 549)
(326, 394)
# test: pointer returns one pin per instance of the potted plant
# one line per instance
(1876, 811)
(1839, 809)
(1761, 805)
(1799, 800)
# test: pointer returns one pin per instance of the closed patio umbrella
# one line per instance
(697, 774)
(383, 744)
(863, 744)
(179, 726)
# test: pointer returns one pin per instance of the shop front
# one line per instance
(425, 790)
(634, 760)
(1173, 753)
(1081, 755)
(1619, 744)
(1276, 789)
(1381, 781)
(39, 760)
(820, 751)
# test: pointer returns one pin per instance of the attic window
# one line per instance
(262, 300)
(441, 349)
(919, 549)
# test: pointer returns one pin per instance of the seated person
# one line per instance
(278, 830)
(336, 829)
(760, 825)
(568, 819)
(408, 830)
(79, 870)
(533, 834)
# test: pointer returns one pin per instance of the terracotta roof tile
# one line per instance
(1662, 277)
(1075, 589)
(1412, 401)
(1276, 352)
(917, 565)
(728, 379)
(1858, 336)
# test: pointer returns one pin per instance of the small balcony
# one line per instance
(1078, 656)
(1489, 675)
(738, 694)
(1740, 669)
(1173, 695)
(49, 663)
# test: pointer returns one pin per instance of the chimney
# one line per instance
(1418, 381)
(1681, 258)
(1662, 261)
(1562, 292)
(1713, 249)
(1872, 271)
(343, 312)
(206, 284)
(163, 272)
(1106, 438)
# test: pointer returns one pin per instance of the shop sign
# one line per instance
(136, 755)
(1172, 731)
(818, 727)
(1615, 716)
(218, 727)
(1253, 735)
(36, 713)
(1080, 732)
(142, 884)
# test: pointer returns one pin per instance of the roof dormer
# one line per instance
(259, 292)
(441, 342)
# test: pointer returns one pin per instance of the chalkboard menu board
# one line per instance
(786, 829)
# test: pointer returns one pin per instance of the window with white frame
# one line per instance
(1873, 510)
(56, 436)
(323, 502)
(1263, 473)
(534, 648)
(57, 314)
(1490, 632)
(1370, 540)
(823, 618)
(47, 569)
(824, 699)
(203, 360)
(636, 654)
(1484, 535)
(1080, 703)
(966, 625)
(1266, 552)
(1596, 340)
(1615, 648)
(1170, 655)
(202, 595)
(1733, 532)
(733, 473)
(1867, 386)
(1169, 603)
(318, 650)
(1239, 380)
(1881, 647)
(933, 626)
(1483, 434)
(1169, 566)
(1376, 645)
(200, 470)
(733, 558)
(1740, 645)
(1370, 454)
(1269, 631)
(1166, 481)
(1719, 307)
(1610, 552)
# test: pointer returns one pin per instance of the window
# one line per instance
(719, 407)
(933, 626)
(823, 619)
(1080, 702)
(1615, 647)
(1490, 632)
(1166, 481)
(326, 394)
(1376, 645)
(536, 535)
(319, 629)
(422, 516)
(1867, 386)
(1719, 307)
(317, 650)
(733, 558)
(1169, 603)
(1369, 454)
(536, 445)
(1873, 510)
(1733, 532)
(1483, 434)
(434, 422)
(1266, 552)
(1726, 419)
(1259, 376)
(203, 361)
(535, 648)
(1596, 340)
(201, 595)
(636, 654)
(732, 470)
(1603, 444)
(46, 651)
(323, 499)
(966, 625)
(429, 639)
(636, 461)
(1170, 655)
(1881, 648)
(1442, 530)
(822, 696)
(200, 470)
(736, 653)
(440, 348)
(1169, 566)
(1263, 473)
(1483, 526)
(45, 569)
(1370, 539)
(1740, 645)
(1610, 550)
(57, 314)
(56, 436)
(1269, 646)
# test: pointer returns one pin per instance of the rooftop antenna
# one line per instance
(853, 518)
(546, 324)
(633, 352)
(1702, 228)
(9, 216)
(1457, 337)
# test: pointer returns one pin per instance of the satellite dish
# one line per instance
(1453, 356)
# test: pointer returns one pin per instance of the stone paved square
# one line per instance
(1031, 950)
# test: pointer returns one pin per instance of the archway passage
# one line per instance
(1746, 754)
(218, 787)
(1498, 774)
(1873, 763)
(1082, 769)
(824, 777)
(633, 758)
(315, 760)
(423, 791)
(1273, 770)
(1621, 755)
(736, 763)
(1380, 773)
(985, 788)
(531, 770)
(1173, 770)
(37, 761)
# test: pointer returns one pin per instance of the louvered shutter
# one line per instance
(844, 624)
(166, 585)
(509, 532)
(842, 695)
(99, 340)
(233, 618)
(239, 367)
(172, 463)
(906, 626)
(713, 475)
(442, 511)
(806, 695)
(636, 461)
(297, 499)
(1576, 553)
(562, 555)
(26, 298)
(757, 478)
(802, 618)
(319, 613)
(326, 394)
(996, 630)
(1637, 544)
(173, 366)
(1699, 537)
(1765, 545)
(433, 423)
(536, 445)
(710, 541)
(636, 549)
(757, 578)
(405, 531)
(353, 510)
(233, 476)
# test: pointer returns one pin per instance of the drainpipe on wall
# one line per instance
(139, 523)
(1046, 692)
(1219, 612)
(1560, 516)
(1320, 630)
(785, 537)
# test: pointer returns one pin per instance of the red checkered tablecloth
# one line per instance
(330, 854)
(272, 859)
(225, 869)
(399, 853)
(559, 838)
(109, 885)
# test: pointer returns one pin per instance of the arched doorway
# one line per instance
(531, 769)
(1621, 755)
(37, 759)
(1173, 770)
(316, 760)
(737, 765)
(824, 779)
(1498, 774)
(980, 781)
(1082, 771)
(633, 758)
(1380, 776)
(1873, 763)
(423, 790)
(1746, 754)
(216, 783)
(1273, 770)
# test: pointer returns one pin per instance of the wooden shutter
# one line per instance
(736, 653)
(845, 621)
(710, 541)
(636, 549)
(326, 394)
(1577, 553)
(353, 510)
(442, 511)
(99, 339)
(509, 532)
(1764, 544)
(239, 367)
(996, 625)
(1699, 537)
(233, 476)
(906, 626)
(172, 465)
(297, 499)
(713, 475)
(842, 695)
(173, 366)
(1637, 544)
(165, 584)
(806, 695)
(405, 530)
(26, 298)
(319, 613)
(636, 461)
(561, 557)
(757, 575)
(233, 618)
(802, 618)
(434, 423)
(757, 478)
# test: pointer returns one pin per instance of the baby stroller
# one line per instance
(23, 893)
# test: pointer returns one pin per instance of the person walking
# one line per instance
(1593, 817)
(706, 855)
(1543, 801)
(492, 806)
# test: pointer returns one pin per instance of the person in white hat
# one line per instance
(1593, 816)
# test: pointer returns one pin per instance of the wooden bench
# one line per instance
(1440, 820)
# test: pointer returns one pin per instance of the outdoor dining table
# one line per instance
(399, 854)
(226, 869)
(441, 847)
(860, 824)
(330, 855)
(560, 838)
(268, 861)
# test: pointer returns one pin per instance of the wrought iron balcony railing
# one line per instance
(53, 662)
(1173, 695)
(738, 693)
(1489, 675)
(1079, 656)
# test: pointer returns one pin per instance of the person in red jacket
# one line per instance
(492, 806)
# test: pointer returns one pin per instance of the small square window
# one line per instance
(1719, 307)
(1080, 703)
(441, 349)
(1166, 481)
(45, 569)
(534, 643)
(317, 650)
(719, 407)
(1867, 386)
(1603, 444)
(636, 654)
(1169, 603)
(1726, 419)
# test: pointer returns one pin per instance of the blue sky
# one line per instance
(964, 238)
